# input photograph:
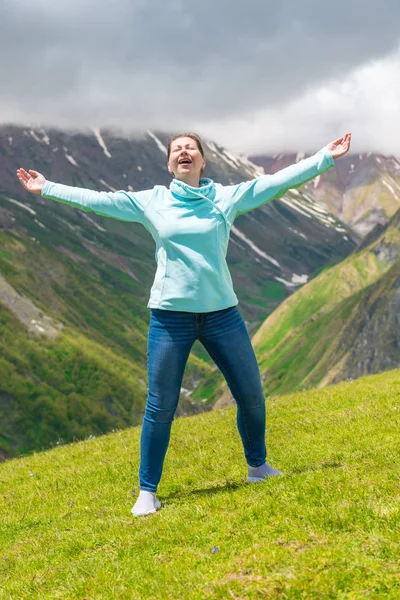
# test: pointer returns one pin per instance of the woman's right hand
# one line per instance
(31, 181)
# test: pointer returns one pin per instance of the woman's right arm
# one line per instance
(125, 206)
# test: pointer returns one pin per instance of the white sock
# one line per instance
(146, 504)
(262, 472)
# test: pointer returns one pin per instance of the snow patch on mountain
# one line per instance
(21, 205)
(71, 159)
(298, 233)
(385, 183)
(45, 138)
(110, 187)
(292, 204)
(159, 143)
(40, 224)
(102, 143)
(85, 216)
(243, 237)
(252, 167)
(296, 280)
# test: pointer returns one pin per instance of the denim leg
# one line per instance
(225, 337)
(170, 339)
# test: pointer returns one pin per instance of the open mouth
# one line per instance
(185, 161)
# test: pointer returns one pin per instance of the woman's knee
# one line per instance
(251, 401)
(156, 413)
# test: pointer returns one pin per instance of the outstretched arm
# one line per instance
(125, 206)
(252, 194)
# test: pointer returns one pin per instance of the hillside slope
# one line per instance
(327, 529)
(342, 324)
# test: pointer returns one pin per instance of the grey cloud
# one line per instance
(171, 63)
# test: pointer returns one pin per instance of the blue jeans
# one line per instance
(171, 336)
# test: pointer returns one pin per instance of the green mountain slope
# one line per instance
(61, 389)
(327, 529)
(369, 341)
(311, 339)
(88, 378)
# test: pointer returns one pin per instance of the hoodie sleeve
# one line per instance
(252, 194)
(125, 206)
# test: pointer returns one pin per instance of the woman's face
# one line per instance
(185, 159)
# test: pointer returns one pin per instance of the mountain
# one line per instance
(364, 191)
(268, 259)
(74, 286)
(342, 325)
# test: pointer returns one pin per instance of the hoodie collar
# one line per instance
(206, 189)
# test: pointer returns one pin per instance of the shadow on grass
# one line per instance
(215, 489)
(315, 468)
(235, 485)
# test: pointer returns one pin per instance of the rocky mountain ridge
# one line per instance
(363, 193)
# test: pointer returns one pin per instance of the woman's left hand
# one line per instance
(340, 146)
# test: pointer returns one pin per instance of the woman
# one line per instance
(192, 296)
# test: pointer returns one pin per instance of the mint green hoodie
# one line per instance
(191, 228)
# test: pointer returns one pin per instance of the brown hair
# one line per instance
(193, 136)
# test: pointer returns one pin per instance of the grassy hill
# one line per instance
(327, 529)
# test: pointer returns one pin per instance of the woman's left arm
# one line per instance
(252, 194)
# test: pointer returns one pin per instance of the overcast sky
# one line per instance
(254, 75)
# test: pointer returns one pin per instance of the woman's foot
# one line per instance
(146, 504)
(262, 472)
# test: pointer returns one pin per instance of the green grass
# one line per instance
(327, 529)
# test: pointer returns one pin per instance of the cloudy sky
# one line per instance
(254, 75)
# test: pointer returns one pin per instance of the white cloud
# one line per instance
(255, 74)
(365, 102)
